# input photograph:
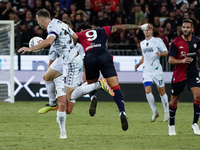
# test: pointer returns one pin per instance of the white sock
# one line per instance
(61, 116)
(50, 86)
(93, 96)
(164, 100)
(151, 100)
(82, 90)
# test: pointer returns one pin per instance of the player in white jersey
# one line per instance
(63, 38)
(152, 48)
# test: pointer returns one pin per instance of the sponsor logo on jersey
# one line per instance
(183, 54)
(148, 50)
(180, 47)
(198, 81)
(92, 46)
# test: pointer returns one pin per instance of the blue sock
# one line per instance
(119, 100)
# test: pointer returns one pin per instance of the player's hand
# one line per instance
(24, 49)
(136, 66)
(146, 27)
(157, 53)
(187, 60)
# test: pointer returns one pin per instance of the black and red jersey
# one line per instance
(92, 39)
(180, 49)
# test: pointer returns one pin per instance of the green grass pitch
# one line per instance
(22, 128)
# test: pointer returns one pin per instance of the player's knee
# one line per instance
(45, 78)
(197, 96)
(69, 110)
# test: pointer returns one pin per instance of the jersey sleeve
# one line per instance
(107, 30)
(162, 46)
(52, 30)
(172, 50)
(52, 53)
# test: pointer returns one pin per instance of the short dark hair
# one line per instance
(188, 21)
(68, 23)
(43, 13)
(84, 26)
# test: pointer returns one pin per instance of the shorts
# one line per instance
(57, 65)
(99, 60)
(158, 79)
(71, 72)
(178, 87)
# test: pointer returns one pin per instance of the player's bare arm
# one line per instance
(141, 61)
(45, 43)
(165, 53)
(173, 60)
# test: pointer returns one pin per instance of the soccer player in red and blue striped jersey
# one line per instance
(183, 54)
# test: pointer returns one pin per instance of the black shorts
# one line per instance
(178, 87)
(98, 60)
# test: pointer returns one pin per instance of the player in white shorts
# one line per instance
(152, 48)
(62, 38)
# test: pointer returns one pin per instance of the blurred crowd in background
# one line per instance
(165, 15)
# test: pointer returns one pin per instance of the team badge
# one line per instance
(195, 45)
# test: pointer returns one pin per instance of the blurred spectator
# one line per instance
(14, 16)
(96, 4)
(127, 5)
(5, 8)
(161, 34)
(163, 14)
(56, 9)
(38, 5)
(139, 15)
(172, 20)
(169, 32)
(65, 5)
(89, 10)
(65, 17)
(184, 7)
(99, 22)
(30, 3)
(122, 39)
(107, 8)
(25, 34)
(147, 13)
(118, 20)
(179, 17)
(21, 9)
(106, 19)
(141, 3)
(72, 9)
(154, 6)
(39, 32)
(48, 6)
(101, 7)
(113, 4)
(156, 25)
(78, 16)
(172, 5)
(180, 2)
(117, 13)
(131, 16)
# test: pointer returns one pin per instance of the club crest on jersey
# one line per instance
(195, 45)
(147, 44)
(183, 54)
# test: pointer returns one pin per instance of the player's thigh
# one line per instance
(91, 67)
(158, 78)
(51, 74)
(106, 66)
(174, 99)
(72, 72)
(69, 91)
(57, 65)
(177, 88)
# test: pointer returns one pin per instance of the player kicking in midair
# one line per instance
(62, 38)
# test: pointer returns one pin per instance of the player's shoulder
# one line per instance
(158, 39)
(177, 39)
(196, 38)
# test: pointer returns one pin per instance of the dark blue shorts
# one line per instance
(177, 88)
(96, 61)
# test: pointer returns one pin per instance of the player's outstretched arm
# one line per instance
(45, 43)
(118, 28)
(165, 53)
